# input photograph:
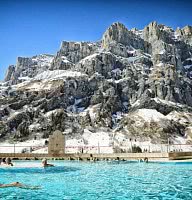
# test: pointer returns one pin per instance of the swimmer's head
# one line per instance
(44, 161)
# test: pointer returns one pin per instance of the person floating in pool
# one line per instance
(2, 161)
(6, 162)
(45, 164)
(146, 160)
(19, 185)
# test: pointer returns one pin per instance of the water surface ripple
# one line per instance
(101, 180)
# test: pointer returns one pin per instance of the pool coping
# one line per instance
(104, 156)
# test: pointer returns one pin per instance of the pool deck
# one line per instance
(114, 156)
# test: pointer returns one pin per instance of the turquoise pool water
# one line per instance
(73, 180)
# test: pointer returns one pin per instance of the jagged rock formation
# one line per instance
(132, 82)
(118, 40)
(28, 68)
(72, 52)
(185, 34)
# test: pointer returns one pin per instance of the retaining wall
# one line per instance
(125, 156)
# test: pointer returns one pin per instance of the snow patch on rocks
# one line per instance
(57, 74)
(150, 115)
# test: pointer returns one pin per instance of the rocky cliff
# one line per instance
(131, 84)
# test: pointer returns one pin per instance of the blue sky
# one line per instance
(31, 27)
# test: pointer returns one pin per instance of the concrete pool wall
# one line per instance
(113, 156)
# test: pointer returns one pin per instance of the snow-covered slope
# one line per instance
(57, 74)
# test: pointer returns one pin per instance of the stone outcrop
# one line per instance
(119, 40)
(10, 73)
(185, 34)
(103, 63)
(150, 124)
(72, 52)
(28, 67)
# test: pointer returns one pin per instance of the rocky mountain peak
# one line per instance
(154, 32)
(119, 40)
(117, 26)
(28, 67)
(72, 52)
(153, 24)
(129, 76)
(116, 32)
(187, 30)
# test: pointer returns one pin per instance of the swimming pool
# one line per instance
(73, 180)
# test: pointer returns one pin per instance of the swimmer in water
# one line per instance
(3, 162)
(8, 162)
(45, 164)
(19, 185)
